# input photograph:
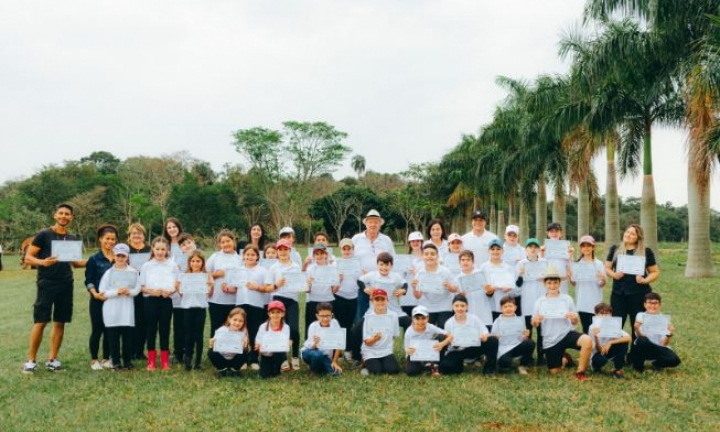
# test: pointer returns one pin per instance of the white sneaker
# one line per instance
(107, 364)
(285, 366)
(347, 355)
(255, 367)
(96, 366)
(296, 363)
(522, 370)
(53, 365)
(364, 372)
(29, 367)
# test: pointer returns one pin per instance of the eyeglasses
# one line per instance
(325, 316)
(652, 302)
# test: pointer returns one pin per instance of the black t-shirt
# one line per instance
(59, 272)
(627, 285)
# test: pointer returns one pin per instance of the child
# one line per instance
(420, 330)
(118, 308)
(451, 258)
(271, 362)
(512, 345)
(223, 296)
(187, 245)
(318, 292)
(378, 337)
(229, 363)
(157, 283)
(588, 293)
(531, 290)
(253, 297)
(390, 282)
(270, 252)
(558, 333)
(194, 305)
(655, 347)
(555, 232)
(454, 361)
(346, 298)
(479, 299)
(321, 361)
(287, 233)
(455, 243)
(437, 299)
(605, 348)
(512, 251)
(500, 277)
(320, 238)
(288, 298)
(415, 242)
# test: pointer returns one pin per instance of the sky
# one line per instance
(405, 79)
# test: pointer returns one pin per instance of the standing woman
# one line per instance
(436, 235)
(628, 291)
(172, 230)
(139, 255)
(97, 265)
(256, 237)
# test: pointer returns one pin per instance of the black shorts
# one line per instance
(54, 300)
(554, 354)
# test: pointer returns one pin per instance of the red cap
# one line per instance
(378, 293)
(283, 243)
(276, 304)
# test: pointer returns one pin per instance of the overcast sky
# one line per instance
(405, 79)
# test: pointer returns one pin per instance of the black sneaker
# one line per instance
(221, 373)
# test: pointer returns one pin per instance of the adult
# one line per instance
(139, 255)
(96, 267)
(436, 235)
(478, 239)
(628, 291)
(173, 228)
(256, 237)
(54, 288)
(368, 244)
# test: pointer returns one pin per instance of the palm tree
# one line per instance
(358, 164)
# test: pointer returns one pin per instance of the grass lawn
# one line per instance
(80, 399)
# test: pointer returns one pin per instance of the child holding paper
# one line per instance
(607, 348)
(455, 243)
(500, 277)
(229, 363)
(513, 252)
(652, 344)
(288, 298)
(194, 305)
(588, 293)
(481, 343)
(157, 283)
(222, 300)
(271, 361)
(420, 332)
(555, 232)
(480, 297)
(556, 312)
(318, 291)
(254, 296)
(321, 361)
(379, 330)
(437, 298)
(319, 238)
(511, 344)
(119, 308)
(389, 281)
(531, 290)
(345, 306)
(187, 245)
(415, 242)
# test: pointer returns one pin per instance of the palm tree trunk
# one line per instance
(501, 223)
(699, 260)
(524, 223)
(541, 208)
(491, 222)
(559, 207)
(612, 204)
(648, 202)
(583, 222)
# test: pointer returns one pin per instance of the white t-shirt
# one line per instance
(278, 270)
(438, 302)
(118, 311)
(603, 340)
(479, 303)
(313, 330)
(265, 328)
(367, 250)
(226, 329)
(589, 294)
(478, 245)
(383, 347)
(530, 291)
(431, 332)
(245, 296)
(319, 292)
(554, 329)
(222, 261)
(513, 254)
(409, 299)
(192, 300)
(488, 269)
(389, 283)
(471, 320)
(656, 338)
(505, 343)
(153, 269)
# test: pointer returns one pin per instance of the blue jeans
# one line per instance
(317, 361)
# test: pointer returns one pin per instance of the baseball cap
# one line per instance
(276, 304)
(512, 229)
(319, 247)
(415, 235)
(532, 240)
(346, 242)
(121, 249)
(495, 242)
(287, 230)
(454, 237)
(554, 226)
(587, 239)
(420, 310)
(479, 214)
(283, 243)
(377, 292)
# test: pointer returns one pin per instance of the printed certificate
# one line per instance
(630, 264)
(424, 351)
(466, 336)
(655, 324)
(472, 282)
(431, 283)
(557, 249)
(535, 270)
(229, 342)
(123, 279)
(275, 342)
(194, 283)
(349, 266)
(584, 272)
(66, 250)
(553, 309)
(332, 338)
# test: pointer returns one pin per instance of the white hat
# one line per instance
(121, 249)
(512, 229)
(415, 235)
(373, 213)
(455, 237)
(420, 310)
(287, 230)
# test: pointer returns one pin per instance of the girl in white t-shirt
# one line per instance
(229, 363)
(195, 307)
(588, 293)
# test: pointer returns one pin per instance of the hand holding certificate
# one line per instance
(326, 275)
(194, 283)
(431, 283)
(349, 266)
(609, 327)
(332, 338)
(275, 342)
(630, 264)
(511, 327)
(425, 351)
(655, 324)
(237, 277)
(472, 282)
(553, 309)
(229, 342)
(123, 279)
(295, 282)
(557, 249)
(66, 250)
(380, 324)
(160, 280)
(584, 272)
(535, 270)
(466, 336)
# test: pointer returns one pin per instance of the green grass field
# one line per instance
(77, 398)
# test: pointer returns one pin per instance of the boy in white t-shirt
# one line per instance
(421, 330)
(512, 345)
(655, 347)
(321, 361)
(379, 330)
(606, 348)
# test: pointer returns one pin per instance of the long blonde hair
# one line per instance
(639, 246)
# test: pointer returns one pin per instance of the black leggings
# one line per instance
(270, 366)
(255, 317)
(193, 326)
(140, 329)
(115, 335)
(627, 305)
(158, 311)
(97, 330)
(292, 318)
(178, 325)
(344, 311)
(220, 362)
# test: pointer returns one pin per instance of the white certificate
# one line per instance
(630, 264)
(535, 270)
(553, 309)
(194, 283)
(502, 280)
(452, 262)
(332, 338)
(466, 336)
(237, 277)
(267, 262)
(424, 351)
(401, 263)
(382, 324)
(610, 327)
(349, 266)
(160, 280)
(557, 249)
(295, 282)
(509, 327)
(138, 259)
(472, 282)
(66, 250)
(275, 342)
(229, 342)
(655, 324)
(123, 279)
(584, 272)
(513, 255)
(431, 283)
(326, 275)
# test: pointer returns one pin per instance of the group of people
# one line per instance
(458, 299)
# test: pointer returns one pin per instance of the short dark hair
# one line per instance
(184, 236)
(603, 307)
(65, 205)
(467, 253)
(653, 296)
(324, 306)
(429, 246)
(507, 299)
(385, 258)
(460, 298)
